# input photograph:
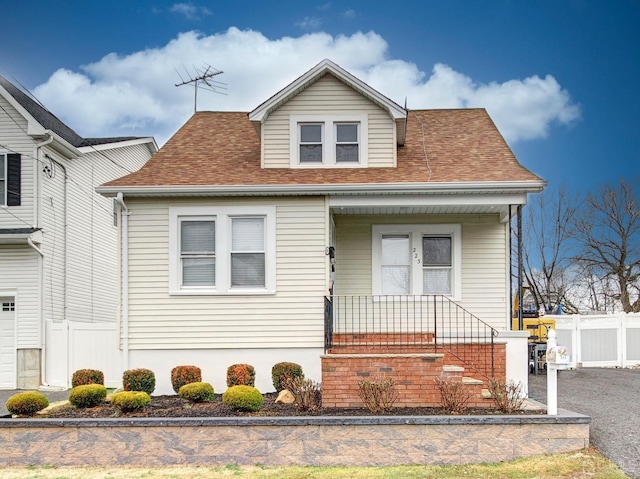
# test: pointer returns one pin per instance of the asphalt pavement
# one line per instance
(611, 397)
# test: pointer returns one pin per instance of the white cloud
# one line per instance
(135, 94)
(189, 10)
(309, 23)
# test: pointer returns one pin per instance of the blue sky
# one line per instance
(560, 78)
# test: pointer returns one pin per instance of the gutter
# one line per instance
(124, 279)
(534, 186)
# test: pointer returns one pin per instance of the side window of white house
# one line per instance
(10, 183)
(333, 141)
(417, 259)
(222, 250)
(198, 251)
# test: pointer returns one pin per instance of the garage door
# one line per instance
(7, 343)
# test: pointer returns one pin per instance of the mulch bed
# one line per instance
(174, 406)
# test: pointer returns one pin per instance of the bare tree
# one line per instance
(547, 254)
(608, 232)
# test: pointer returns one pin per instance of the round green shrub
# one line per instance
(196, 392)
(130, 401)
(241, 375)
(86, 376)
(243, 398)
(87, 395)
(26, 403)
(283, 372)
(181, 375)
(139, 380)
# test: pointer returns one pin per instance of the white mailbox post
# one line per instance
(557, 358)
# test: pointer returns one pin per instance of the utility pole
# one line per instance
(204, 77)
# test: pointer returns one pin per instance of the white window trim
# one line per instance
(222, 217)
(416, 232)
(329, 139)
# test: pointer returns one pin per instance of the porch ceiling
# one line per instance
(421, 210)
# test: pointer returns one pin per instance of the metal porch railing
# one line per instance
(430, 322)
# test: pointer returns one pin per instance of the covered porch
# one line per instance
(420, 288)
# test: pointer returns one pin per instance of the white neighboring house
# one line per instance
(58, 243)
(257, 237)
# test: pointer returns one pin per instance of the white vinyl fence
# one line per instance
(608, 340)
(73, 345)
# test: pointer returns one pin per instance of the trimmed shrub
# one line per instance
(196, 392)
(139, 380)
(87, 395)
(241, 375)
(26, 403)
(181, 375)
(87, 376)
(282, 372)
(243, 398)
(130, 401)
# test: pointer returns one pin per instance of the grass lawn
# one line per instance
(588, 463)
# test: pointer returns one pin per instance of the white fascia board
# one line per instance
(494, 187)
(262, 111)
(153, 146)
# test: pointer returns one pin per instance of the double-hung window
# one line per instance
(247, 252)
(328, 140)
(222, 250)
(3, 179)
(198, 251)
(346, 142)
(311, 142)
(416, 259)
(10, 172)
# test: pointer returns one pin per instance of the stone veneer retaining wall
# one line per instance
(358, 441)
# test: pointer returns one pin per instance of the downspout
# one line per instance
(124, 272)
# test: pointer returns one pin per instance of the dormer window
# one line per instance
(311, 142)
(332, 141)
(346, 142)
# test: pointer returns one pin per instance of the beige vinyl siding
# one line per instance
(293, 317)
(484, 259)
(19, 276)
(92, 250)
(14, 139)
(326, 96)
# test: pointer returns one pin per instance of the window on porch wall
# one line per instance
(416, 259)
(396, 264)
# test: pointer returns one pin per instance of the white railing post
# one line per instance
(552, 376)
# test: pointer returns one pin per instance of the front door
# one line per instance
(7, 343)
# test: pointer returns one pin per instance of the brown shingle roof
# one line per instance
(222, 148)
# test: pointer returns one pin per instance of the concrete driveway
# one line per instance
(611, 397)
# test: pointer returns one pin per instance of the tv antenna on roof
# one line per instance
(203, 77)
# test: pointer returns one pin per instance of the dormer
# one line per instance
(328, 118)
